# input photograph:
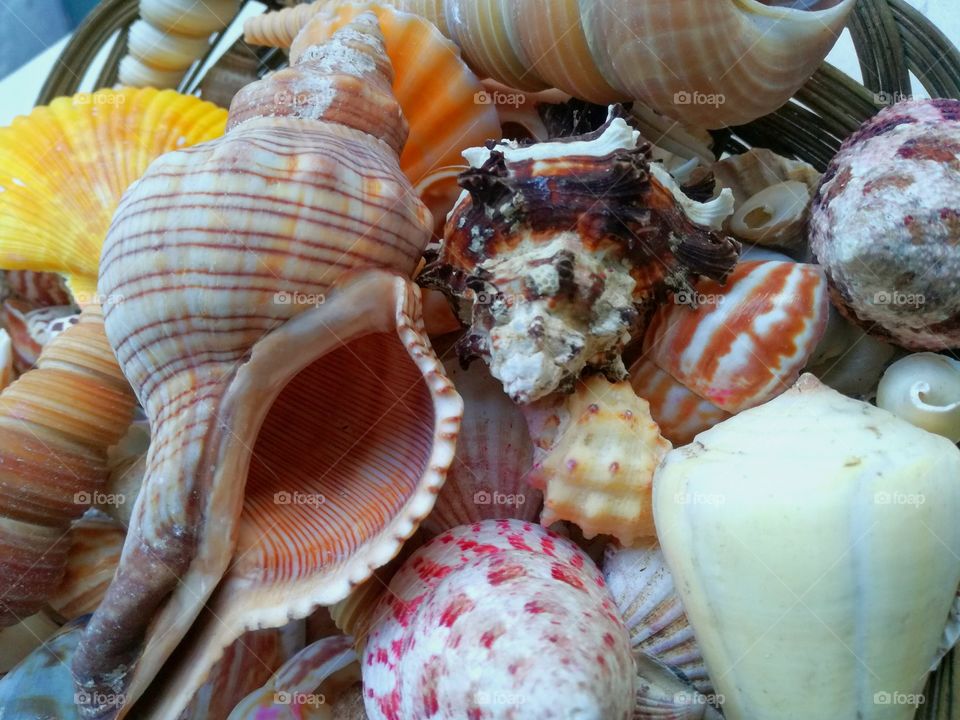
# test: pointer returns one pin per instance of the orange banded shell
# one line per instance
(747, 340)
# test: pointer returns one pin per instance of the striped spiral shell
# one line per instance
(56, 423)
(710, 64)
(169, 38)
(285, 388)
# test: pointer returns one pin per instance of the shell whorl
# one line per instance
(56, 423)
(216, 248)
(171, 35)
(710, 64)
(345, 80)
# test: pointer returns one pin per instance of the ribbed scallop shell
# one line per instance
(678, 412)
(710, 64)
(499, 619)
(643, 589)
(301, 424)
(64, 167)
(92, 559)
(596, 468)
(56, 423)
(437, 93)
(747, 340)
(488, 478)
(170, 37)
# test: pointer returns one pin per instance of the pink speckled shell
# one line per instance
(747, 340)
(499, 620)
(885, 225)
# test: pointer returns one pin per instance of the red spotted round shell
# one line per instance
(499, 619)
(746, 341)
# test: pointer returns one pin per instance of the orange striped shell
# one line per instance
(56, 423)
(301, 423)
(747, 340)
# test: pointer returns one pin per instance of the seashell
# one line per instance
(679, 413)
(18, 641)
(661, 694)
(246, 665)
(499, 619)
(41, 686)
(30, 329)
(549, 277)
(285, 317)
(307, 683)
(747, 340)
(592, 51)
(598, 468)
(488, 477)
(792, 581)
(92, 559)
(436, 91)
(37, 288)
(7, 371)
(884, 225)
(65, 166)
(643, 588)
(172, 35)
(56, 423)
(756, 170)
(775, 216)
(924, 389)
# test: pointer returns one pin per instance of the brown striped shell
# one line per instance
(56, 423)
(301, 422)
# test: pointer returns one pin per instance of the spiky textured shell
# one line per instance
(56, 423)
(264, 304)
(169, 38)
(713, 64)
(549, 277)
(597, 472)
(643, 588)
(498, 619)
(64, 167)
(885, 225)
(679, 413)
(747, 340)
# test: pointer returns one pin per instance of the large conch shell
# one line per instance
(924, 389)
(597, 450)
(710, 64)
(169, 38)
(56, 423)
(500, 619)
(441, 98)
(274, 351)
(555, 244)
(64, 167)
(800, 534)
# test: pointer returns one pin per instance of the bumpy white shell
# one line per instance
(924, 389)
(798, 534)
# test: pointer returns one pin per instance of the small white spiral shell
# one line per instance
(924, 389)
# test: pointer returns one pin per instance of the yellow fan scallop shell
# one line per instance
(64, 167)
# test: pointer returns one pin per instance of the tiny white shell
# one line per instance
(924, 389)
